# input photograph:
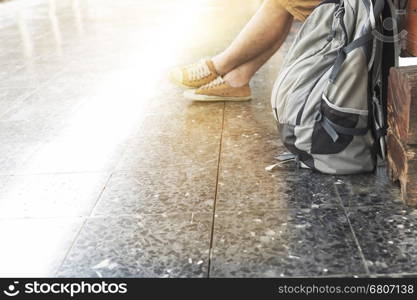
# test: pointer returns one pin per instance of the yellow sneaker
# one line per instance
(219, 90)
(195, 75)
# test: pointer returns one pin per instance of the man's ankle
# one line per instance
(221, 69)
(236, 79)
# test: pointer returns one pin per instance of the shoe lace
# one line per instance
(216, 82)
(198, 71)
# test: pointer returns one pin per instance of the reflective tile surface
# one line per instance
(392, 250)
(106, 170)
(186, 188)
(149, 246)
(274, 243)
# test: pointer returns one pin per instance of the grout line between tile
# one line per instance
(99, 195)
(215, 192)
(353, 232)
(70, 247)
(82, 226)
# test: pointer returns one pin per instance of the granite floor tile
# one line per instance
(9, 97)
(284, 243)
(38, 117)
(84, 83)
(249, 150)
(243, 190)
(192, 122)
(10, 63)
(102, 64)
(367, 189)
(240, 190)
(249, 118)
(35, 108)
(32, 75)
(168, 99)
(159, 152)
(387, 235)
(147, 191)
(33, 120)
(244, 183)
(53, 195)
(36, 247)
(173, 245)
(15, 157)
(25, 131)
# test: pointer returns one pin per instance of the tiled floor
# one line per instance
(105, 170)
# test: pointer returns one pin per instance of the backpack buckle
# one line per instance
(319, 117)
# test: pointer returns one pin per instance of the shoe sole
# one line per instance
(206, 98)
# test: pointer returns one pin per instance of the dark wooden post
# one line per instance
(412, 27)
(402, 133)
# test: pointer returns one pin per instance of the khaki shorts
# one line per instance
(300, 9)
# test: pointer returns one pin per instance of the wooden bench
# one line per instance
(402, 132)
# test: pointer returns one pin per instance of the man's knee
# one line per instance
(299, 9)
(276, 8)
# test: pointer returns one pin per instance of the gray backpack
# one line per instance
(326, 98)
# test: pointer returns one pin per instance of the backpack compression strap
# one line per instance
(359, 42)
(333, 129)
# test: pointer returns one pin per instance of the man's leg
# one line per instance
(241, 75)
(258, 41)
